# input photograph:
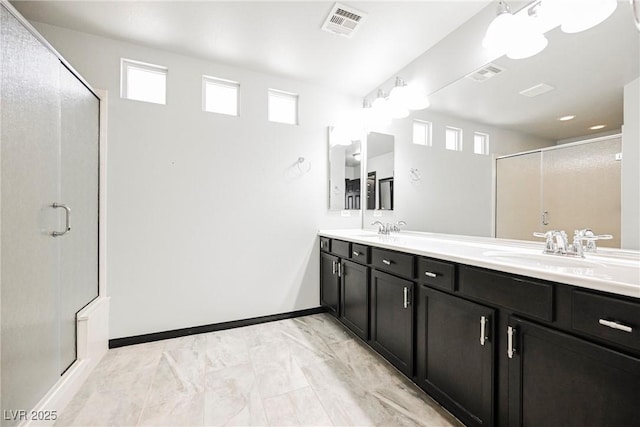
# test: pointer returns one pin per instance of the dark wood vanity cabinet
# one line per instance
(344, 283)
(494, 348)
(354, 312)
(329, 282)
(559, 379)
(455, 350)
(392, 319)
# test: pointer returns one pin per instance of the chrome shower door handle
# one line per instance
(67, 222)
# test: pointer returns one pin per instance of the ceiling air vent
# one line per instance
(343, 20)
(537, 90)
(485, 73)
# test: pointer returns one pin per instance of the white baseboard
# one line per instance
(92, 345)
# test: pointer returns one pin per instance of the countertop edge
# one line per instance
(579, 280)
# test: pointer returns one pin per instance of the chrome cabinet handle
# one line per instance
(544, 218)
(386, 261)
(356, 253)
(406, 297)
(483, 329)
(615, 325)
(510, 349)
(339, 270)
(67, 226)
(334, 266)
(430, 274)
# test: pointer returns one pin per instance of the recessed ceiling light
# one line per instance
(596, 127)
(565, 118)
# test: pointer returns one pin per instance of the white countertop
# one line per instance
(609, 270)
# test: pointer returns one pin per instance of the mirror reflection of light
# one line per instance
(521, 35)
(566, 118)
(575, 16)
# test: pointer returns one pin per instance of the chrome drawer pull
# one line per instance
(483, 329)
(430, 274)
(356, 253)
(386, 261)
(406, 297)
(615, 325)
(334, 266)
(510, 349)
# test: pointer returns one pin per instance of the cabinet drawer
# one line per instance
(515, 293)
(341, 248)
(393, 262)
(607, 318)
(325, 244)
(360, 253)
(438, 274)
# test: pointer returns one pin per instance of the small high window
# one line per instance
(220, 96)
(422, 133)
(480, 143)
(143, 82)
(453, 138)
(283, 107)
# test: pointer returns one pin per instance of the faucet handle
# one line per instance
(397, 225)
(549, 236)
(588, 235)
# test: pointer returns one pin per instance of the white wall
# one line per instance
(630, 196)
(455, 193)
(210, 219)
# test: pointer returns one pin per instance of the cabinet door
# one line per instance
(392, 319)
(355, 298)
(329, 283)
(455, 354)
(29, 140)
(79, 191)
(557, 379)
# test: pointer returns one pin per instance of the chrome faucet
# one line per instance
(382, 228)
(557, 242)
(388, 228)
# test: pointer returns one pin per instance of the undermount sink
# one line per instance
(543, 260)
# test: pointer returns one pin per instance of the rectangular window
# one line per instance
(143, 82)
(480, 143)
(283, 107)
(220, 96)
(453, 138)
(422, 133)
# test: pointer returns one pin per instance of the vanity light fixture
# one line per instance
(566, 118)
(597, 127)
(521, 35)
(518, 36)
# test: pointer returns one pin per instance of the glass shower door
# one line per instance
(29, 140)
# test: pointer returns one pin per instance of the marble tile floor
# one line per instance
(307, 371)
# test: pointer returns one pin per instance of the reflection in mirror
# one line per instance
(583, 75)
(386, 194)
(380, 160)
(344, 176)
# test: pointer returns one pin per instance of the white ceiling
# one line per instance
(282, 38)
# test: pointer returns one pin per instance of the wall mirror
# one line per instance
(584, 75)
(344, 175)
(380, 171)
